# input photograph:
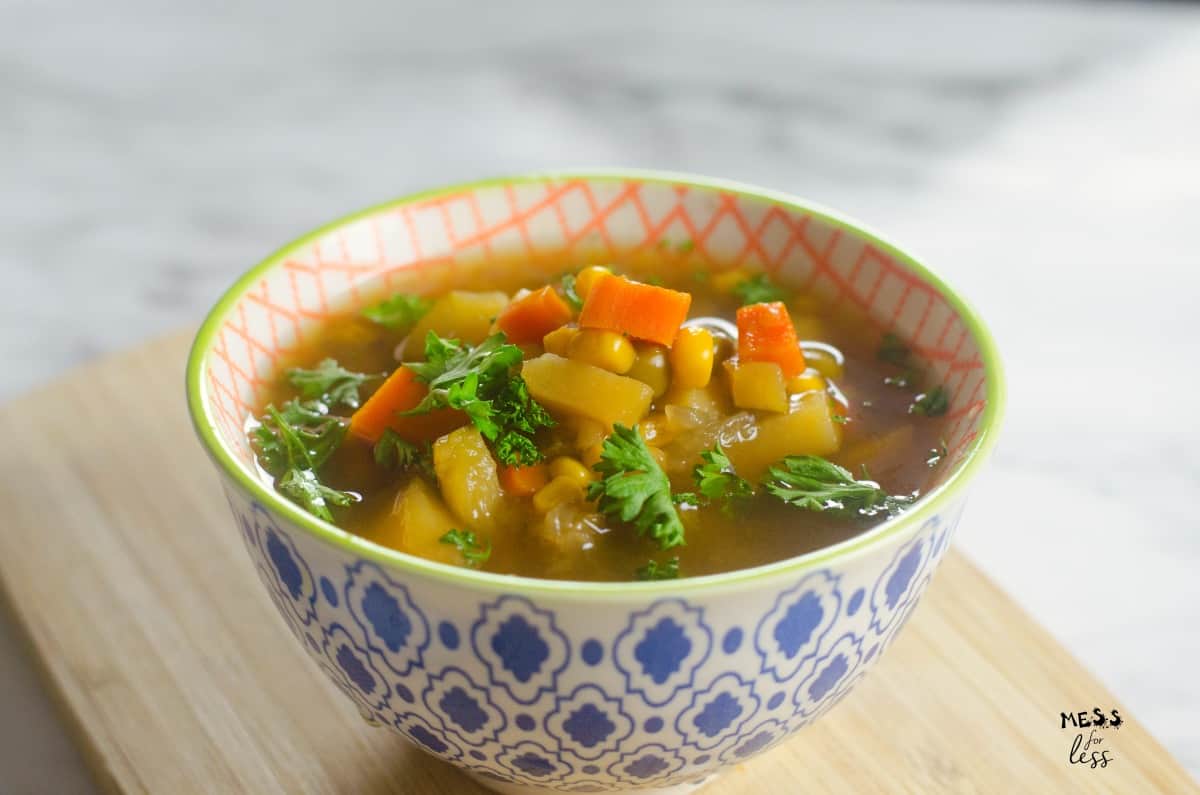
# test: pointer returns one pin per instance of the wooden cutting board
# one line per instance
(119, 559)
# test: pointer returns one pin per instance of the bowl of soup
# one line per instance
(599, 481)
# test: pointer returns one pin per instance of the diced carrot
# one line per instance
(642, 311)
(533, 316)
(766, 334)
(523, 481)
(400, 392)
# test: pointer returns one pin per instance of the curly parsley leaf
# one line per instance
(933, 403)
(759, 289)
(892, 350)
(519, 417)
(635, 489)
(464, 377)
(330, 383)
(302, 435)
(292, 443)
(398, 312)
(399, 454)
(716, 479)
(653, 570)
(816, 484)
(474, 551)
(685, 498)
(302, 487)
(568, 288)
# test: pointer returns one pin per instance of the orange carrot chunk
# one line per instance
(533, 316)
(401, 392)
(642, 311)
(766, 334)
(523, 481)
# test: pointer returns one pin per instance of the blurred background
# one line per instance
(1044, 157)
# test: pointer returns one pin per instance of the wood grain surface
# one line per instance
(119, 558)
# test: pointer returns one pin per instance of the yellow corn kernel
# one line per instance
(555, 493)
(556, 341)
(808, 381)
(725, 281)
(657, 429)
(692, 358)
(757, 385)
(827, 362)
(566, 467)
(602, 348)
(651, 368)
(591, 456)
(588, 277)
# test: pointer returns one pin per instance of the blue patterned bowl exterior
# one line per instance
(531, 685)
(558, 692)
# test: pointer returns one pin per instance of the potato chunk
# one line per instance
(583, 390)
(416, 524)
(808, 429)
(458, 314)
(469, 480)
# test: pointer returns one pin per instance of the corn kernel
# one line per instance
(555, 493)
(587, 278)
(567, 467)
(692, 358)
(603, 348)
(556, 341)
(651, 367)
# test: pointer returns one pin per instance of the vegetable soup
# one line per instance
(606, 424)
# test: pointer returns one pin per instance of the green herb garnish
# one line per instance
(686, 246)
(686, 498)
(716, 479)
(635, 489)
(653, 570)
(893, 350)
(568, 288)
(519, 417)
(475, 552)
(933, 403)
(816, 484)
(759, 289)
(330, 383)
(399, 454)
(398, 312)
(292, 444)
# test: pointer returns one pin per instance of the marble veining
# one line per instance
(151, 153)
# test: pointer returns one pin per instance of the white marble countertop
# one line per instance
(1043, 157)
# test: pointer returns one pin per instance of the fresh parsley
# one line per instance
(892, 350)
(330, 383)
(568, 288)
(292, 444)
(816, 484)
(396, 453)
(476, 380)
(519, 417)
(716, 479)
(933, 403)
(653, 570)
(635, 489)
(398, 312)
(759, 289)
(474, 551)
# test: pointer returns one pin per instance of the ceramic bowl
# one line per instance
(535, 685)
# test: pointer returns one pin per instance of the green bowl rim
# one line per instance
(928, 505)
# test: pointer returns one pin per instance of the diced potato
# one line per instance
(416, 524)
(808, 429)
(582, 390)
(469, 480)
(757, 385)
(460, 315)
(708, 400)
